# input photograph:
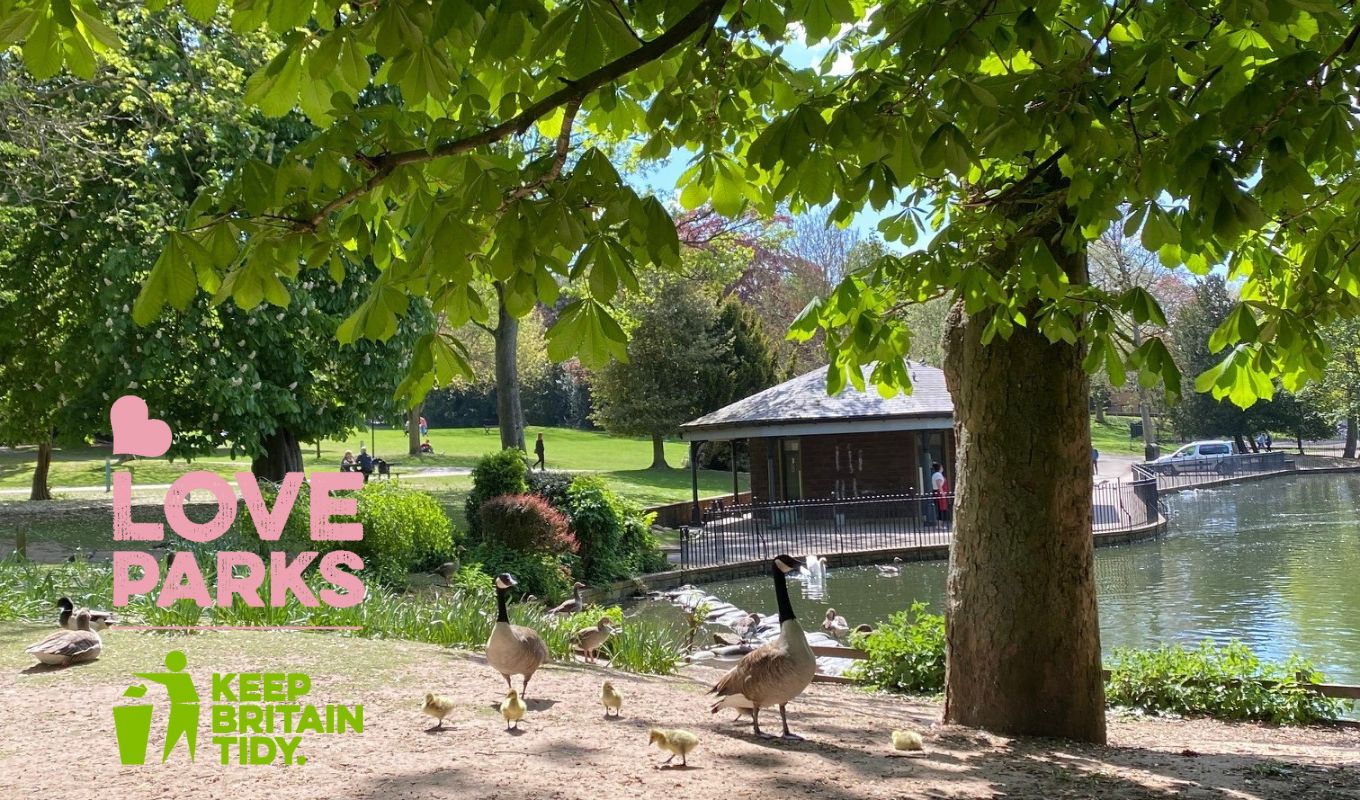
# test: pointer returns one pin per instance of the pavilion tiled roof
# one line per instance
(804, 400)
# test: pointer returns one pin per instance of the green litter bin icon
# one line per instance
(133, 725)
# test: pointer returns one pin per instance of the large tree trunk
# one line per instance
(1241, 443)
(282, 455)
(659, 452)
(413, 431)
(1023, 633)
(509, 411)
(39, 489)
(1349, 452)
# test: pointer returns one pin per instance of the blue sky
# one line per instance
(662, 179)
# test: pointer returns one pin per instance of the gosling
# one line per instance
(438, 707)
(907, 740)
(591, 639)
(512, 708)
(676, 742)
(610, 699)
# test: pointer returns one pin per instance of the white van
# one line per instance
(1196, 457)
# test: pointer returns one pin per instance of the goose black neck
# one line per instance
(781, 596)
(502, 614)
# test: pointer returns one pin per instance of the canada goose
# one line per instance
(99, 620)
(864, 629)
(437, 707)
(675, 742)
(777, 671)
(512, 708)
(513, 649)
(891, 570)
(574, 604)
(69, 647)
(610, 699)
(447, 570)
(590, 639)
(834, 624)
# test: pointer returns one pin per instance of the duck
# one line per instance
(676, 742)
(891, 570)
(448, 570)
(610, 699)
(438, 707)
(590, 639)
(573, 605)
(747, 626)
(864, 629)
(776, 672)
(64, 647)
(513, 649)
(512, 708)
(834, 624)
(99, 620)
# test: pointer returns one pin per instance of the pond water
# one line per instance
(1274, 563)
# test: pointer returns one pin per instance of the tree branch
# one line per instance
(575, 91)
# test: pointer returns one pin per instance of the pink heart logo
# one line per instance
(134, 432)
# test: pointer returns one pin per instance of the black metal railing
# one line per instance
(753, 531)
(1185, 472)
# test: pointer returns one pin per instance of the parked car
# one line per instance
(1207, 456)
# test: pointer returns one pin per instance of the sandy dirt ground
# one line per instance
(57, 738)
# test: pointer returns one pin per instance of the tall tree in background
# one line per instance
(1339, 393)
(101, 167)
(1019, 131)
(669, 376)
(1119, 265)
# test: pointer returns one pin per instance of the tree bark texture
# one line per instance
(39, 489)
(509, 411)
(1351, 433)
(1023, 633)
(659, 452)
(413, 431)
(282, 455)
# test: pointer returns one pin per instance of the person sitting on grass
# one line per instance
(365, 462)
(426, 447)
(347, 463)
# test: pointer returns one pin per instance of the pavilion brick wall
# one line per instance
(851, 464)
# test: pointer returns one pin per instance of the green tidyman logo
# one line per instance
(255, 717)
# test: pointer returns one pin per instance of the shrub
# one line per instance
(495, 474)
(1227, 682)
(540, 574)
(526, 522)
(615, 535)
(905, 654)
(404, 530)
(597, 521)
(551, 486)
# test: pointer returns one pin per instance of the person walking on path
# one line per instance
(365, 462)
(179, 686)
(538, 451)
(1095, 461)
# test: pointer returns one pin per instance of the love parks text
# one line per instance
(257, 719)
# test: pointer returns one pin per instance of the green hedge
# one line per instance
(906, 653)
(404, 531)
(1228, 682)
(494, 475)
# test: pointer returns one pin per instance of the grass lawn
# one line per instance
(566, 449)
(1113, 436)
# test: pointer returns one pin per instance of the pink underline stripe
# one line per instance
(238, 627)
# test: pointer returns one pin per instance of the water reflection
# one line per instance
(1275, 564)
